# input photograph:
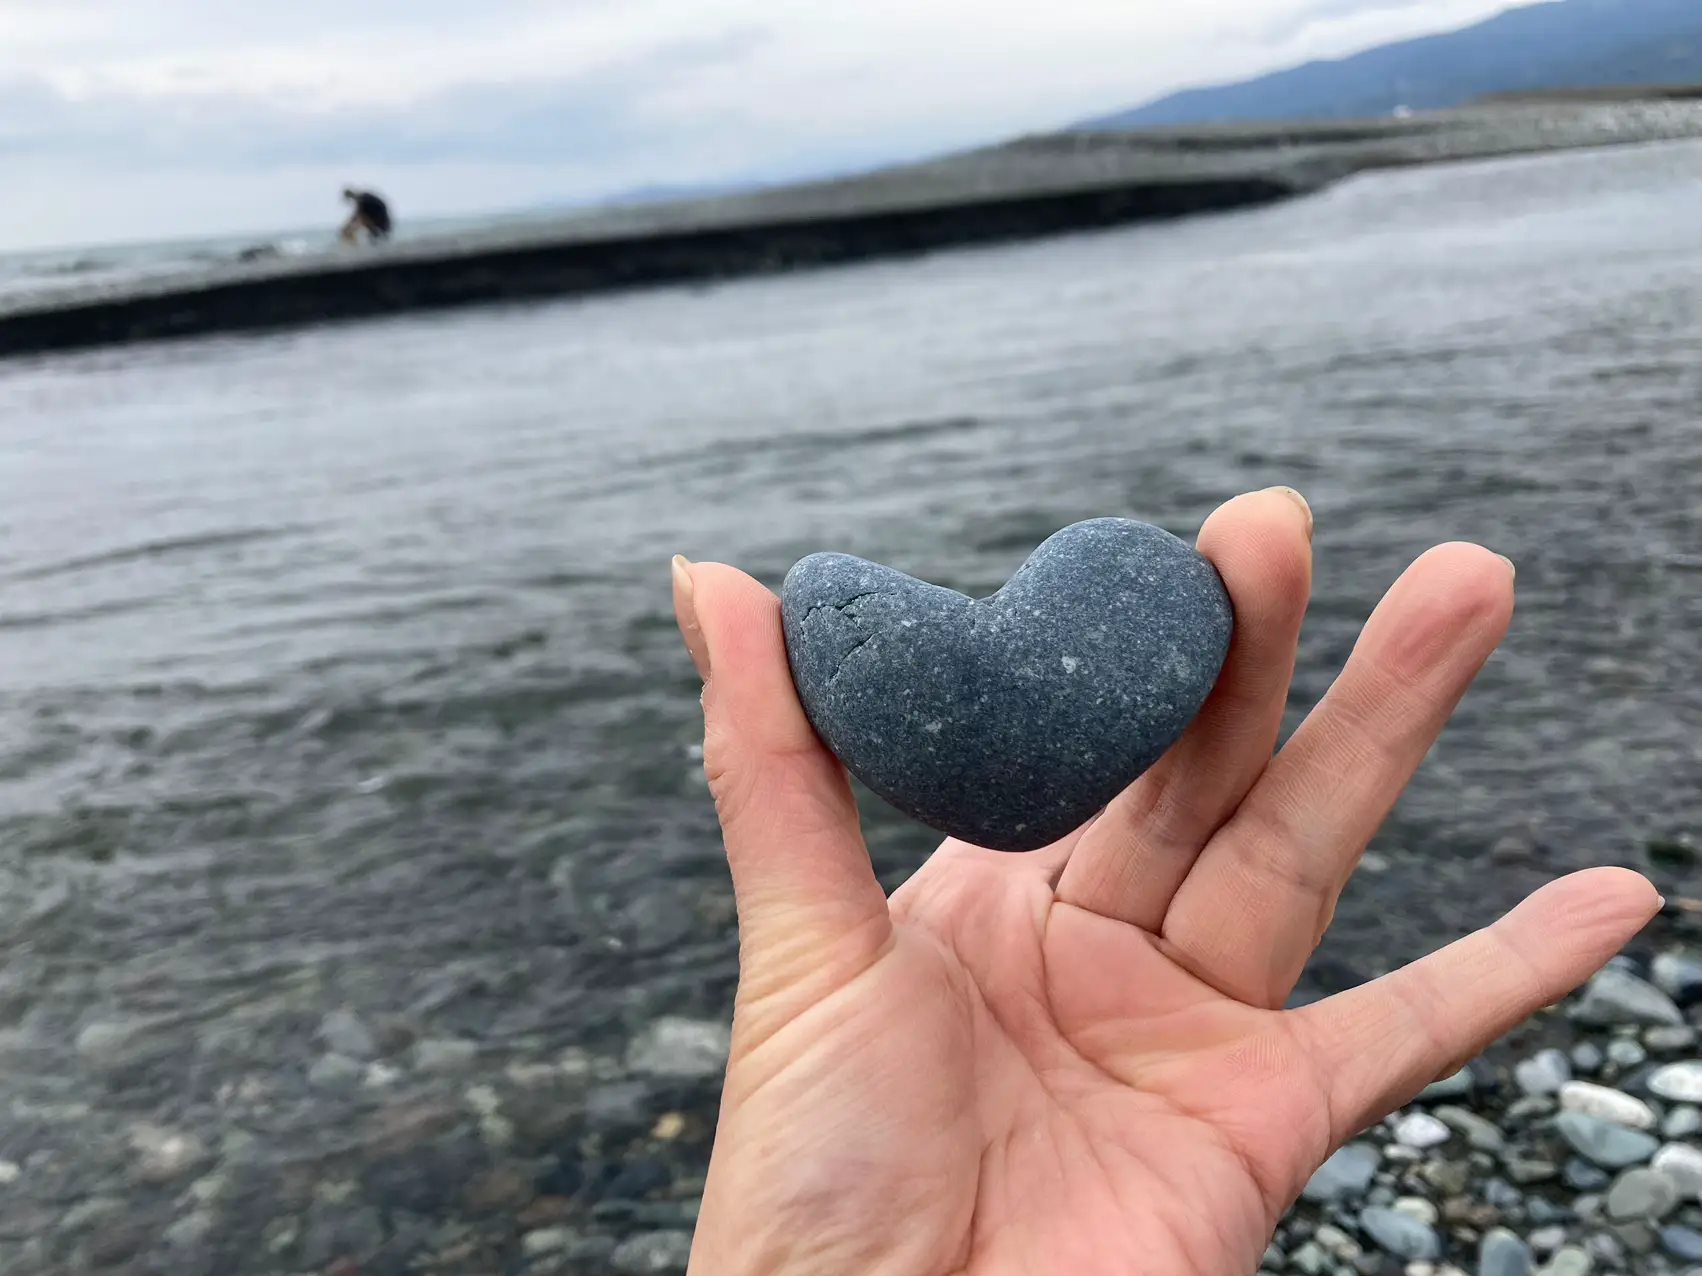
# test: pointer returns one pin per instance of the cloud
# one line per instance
(123, 118)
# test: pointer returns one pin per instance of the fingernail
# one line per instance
(1299, 500)
(1511, 565)
(685, 613)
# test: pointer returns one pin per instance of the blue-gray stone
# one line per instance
(1544, 1072)
(1679, 975)
(1009, 721)
(1398, 1234)
(1683, 1243)
(1456, 1086)
(1346, 1174)
(1613, 1147)
(1615, 997)
(1503, 1254)
(1587, 1057)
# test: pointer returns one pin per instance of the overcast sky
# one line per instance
(140, 119)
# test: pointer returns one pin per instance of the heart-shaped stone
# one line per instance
(1009, 721)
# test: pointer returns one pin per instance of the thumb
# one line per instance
(812, 915)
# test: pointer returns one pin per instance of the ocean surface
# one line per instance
(338, 671)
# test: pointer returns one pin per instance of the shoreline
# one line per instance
(1032, 187)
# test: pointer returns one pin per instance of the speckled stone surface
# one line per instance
(1009, 721)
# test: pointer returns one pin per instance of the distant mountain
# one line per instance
(1562, 44)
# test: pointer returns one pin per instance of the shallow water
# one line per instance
(337, 668)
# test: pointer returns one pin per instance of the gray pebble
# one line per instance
(343, 1033)
(1543, 1073)
(1587, 1057)
(1531, 1106)
(1682, 1122)
(1274, 1257)
(163, 1155)
(1679, 975)
(1616, 997)
(1682, 1163)
(1503, 1195)
(1345, 1175)
(1482, 1134)
(1571, 1260)
(1541, 1211)
(1583, 1177)
(1457, 1086)
(1503, 1254)
(1421, 1130)
(1416, 1207)
(1404, 1237)
(1626, 1052)
(1546, 1240)
(1310, 1259)
(334, 1072)
(1528, 1170)
(1603, 1143)
(1679, 1082)
(1641, 1194)
(681, 1048)
(1008, 721)
(1606, 1249)
(1337, 1243)
(1669, 1040)
(1683, 1243)
(445, 1055)
(656, 1252)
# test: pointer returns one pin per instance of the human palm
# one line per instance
(1076, 1060)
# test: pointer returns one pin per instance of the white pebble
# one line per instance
(1606, 1104)
(1680, 1082)
(10, 1173)
(1421, 1130)
(546, 1240)
(1683, 1165)
(1418, 1209)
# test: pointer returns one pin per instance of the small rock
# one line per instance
(1503, 1195)
(1683, 1243)
(1682, 1123)
(343, 1033)
(1606, 1104)
(110, 1041)
(669, 1126)
(10, 1173)
(1680, 1082)
(1679, 975)
(1503, 1254)
(444, 1055)
(1581, 1176)
(1546, 1240)
(1669, 1040)
(190, 1230)
(281, 1235)
(1457, 1086)
(1421, 1130)
(1345, 1175)
(1641, 1194)
(381, 1076)
(1416, 1207)
(654, 1253)
(1637, 1236)
(1310, 1259)
(687, 1048)
(1626, 1052)
(546, 1240)
(334, 1072)
(1528, 1170)
(1570, 1260)
(1482, 1134)
(1613, 1147)
(1543, 1073)
(1395, 1233)
(1531, 1107)
(1606, 1249)
(1447, 1177)
(164, 1155)
(1617, 997)
(1587, 1057)
(1683, 1165)
(1337, 1243)
(617, 1109)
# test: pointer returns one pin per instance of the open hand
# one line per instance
(1076, 1061)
